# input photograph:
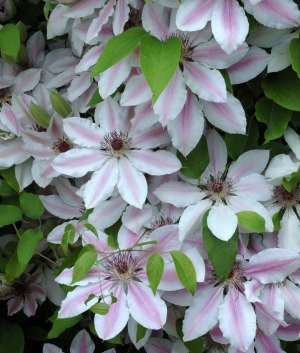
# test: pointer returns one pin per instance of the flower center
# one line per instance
(5, 95)
(62, 145)
(134, 20)
(20, 288)
(160, 220)
(121, 267)
(286, 199)
(218, 188)
(235, 278)
(115, 144)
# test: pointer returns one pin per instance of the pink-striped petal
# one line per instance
(14, 305)
(229, 25)
(58, 208)
(137, 91)
(155, 19)
(61, 79)
(50, 348)
(26, 80)
(90, 58)
(291, 296)
(264, 343)
(9, 119)
(254, 186)
(12, 152)
(217, 153)
(148, 310)
(23, 174)
(58, 24)
(206, 83)
(158, 345)
(107, 115)
(291, 332)
(30, 305)
(78, 85)
(151, 137)
(35, 47)
(84, 8)
(67, 192)
(134, 218)
(82, 343)
(237, 320)
(120, 16)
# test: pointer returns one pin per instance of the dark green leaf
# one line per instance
(159, 61)
(47, 9)
(277, 217)
(221, 253)
(116, 340)
(11, 337)
(5, 189)
(140, 332)
(31, 205)
(185, 270)
(14, 268)
(10, 40)
(83, 264)
(60, 325)
(96, 98)
(10, 177)
(245, 96)
(27, 244)
(195, 163)
(251, 221)
(9, 214)
(294, 49)
(227, 80)
(155, 268)
(68, 261)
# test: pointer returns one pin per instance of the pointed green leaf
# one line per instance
(11, 337)
(68, 261)
(60, 104)
(146, 243)
(5, 189)
(185, 270)
(277, 217)
(46, 10)
(194, 346)
(40, 115)
(116, 340)
(14, 268)
(96, 98)
(140, 332)
(100, 308)
(91, 228)
(83, 265)
(275, 116)
(90, 297)
(85, 214)
(10, 177)
(10, 40)
(27, 244)
(290, 182)
(294, 49)
(159, 61)
(117, 48)
(68, 237)
(195, 163)
(251, 220)
(60, 325)
(111, 241)
(9, 214)
(221, 253)
(155, 268)
(226, 77)
(284, 88)
(31, 205)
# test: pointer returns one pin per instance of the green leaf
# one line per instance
(96, 98)
(290, 182)
(155, 268)
(10, 177)
(40, 115)
(85, 214)
(9, 214)
(275, 116)
(111, 241)
(159, 61)
(117, 48)
(275, 148)
(251, 220)
(277, 217)
(14, 268)
(238, 144)
(245, 96)
(47, 10)
(252, 22)
(185, 270)
(90, 297)
(194, 346)
(5, 189)
(91, 228)
(145, 243)
(27, 244)
(60, 325)
(221, 253)
(68, 237)
(10, 40)
(294, 49)
(140, 332)
(100, 308)
(31, 205)
(116, 340)
(195, 163)
(83, 265)
(284, 88)
(68, 261)
(227, 80)
(60, 104)
(11, 337)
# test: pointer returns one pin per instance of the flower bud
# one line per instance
(22, 30)
(60, 105)
(40, 115)
(7, 10)
(22, 57)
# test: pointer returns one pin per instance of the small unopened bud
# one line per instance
(60, 105)
(7, 10)
(40, 115)
(22, 30)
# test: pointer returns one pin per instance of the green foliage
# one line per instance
(227, 80)
(194, 346)
(84, 263)
(221, 253)
(159, 61)
(14, 268)
(9, 214)
(155, 268)
(251, 221)
(60, 325)
(195, 163)
(96, 98)
(10, 177)
(277, 217)
(275, 116)
(140, 332)
(291, 181)
(117, 48)
(5, 189)
(91, 228)
(85, 214)
(31, 205)
(60, 104)
(68, 261)
(68, 237)
(40, 115)
(11, 337)
(27, 244)
(284, 88)
(294, 49)
(10, 40)
(185, 270)
(46, 9)
(100, 308)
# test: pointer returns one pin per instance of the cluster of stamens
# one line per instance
(218, 188)
(62, 145)
(20, 67)
(5, 95)
(235, 278)
(115, 144)
(160, 220)
(285, 199)
(121, 267)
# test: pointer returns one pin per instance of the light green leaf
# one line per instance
(290, 182)
(185, 270)
(277, 217)
(140, 332)
(221, 253)
(194, 346)
(60, 325)
(27, 244)
(159, 61)
(96, 98)
(83, 265)
(275, 116)
(10, 177)
(90, 297)
(145, 243)
(40, 115)
(59, 103)
(68, 261)
(117, 48)
(31, 205)
(68, 237)
(294, 49)
(46, 10)
(155, 268)
(194, 164)
(100, 308)
(284, 88)
(10, 40)
(14, 268)
(11, 337)
(91, 228)
(251, 220)
(9, 214)
(85, 214)
(111, 241)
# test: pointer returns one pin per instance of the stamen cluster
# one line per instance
(121, 267)
(115, 144)
(285, 199)
(218, 188)
(62, 145)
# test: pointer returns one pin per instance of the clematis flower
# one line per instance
(117, 156)
(225, 194)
